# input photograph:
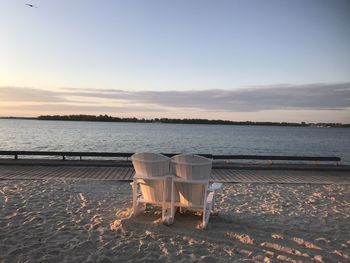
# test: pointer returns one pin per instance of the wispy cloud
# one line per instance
(64, 108)
(252, 99)
(29, 95)
(313, 96)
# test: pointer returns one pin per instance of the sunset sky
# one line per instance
(236, 60)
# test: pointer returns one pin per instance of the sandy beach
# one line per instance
(89, 221)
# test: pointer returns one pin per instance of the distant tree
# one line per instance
(107, 118)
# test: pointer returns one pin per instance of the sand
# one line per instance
(89, 221)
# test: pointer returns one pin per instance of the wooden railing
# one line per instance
(269, 158)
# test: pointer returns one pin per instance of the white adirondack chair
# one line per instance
(190, 187)
(152, 174)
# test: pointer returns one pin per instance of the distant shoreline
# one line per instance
(106, 118)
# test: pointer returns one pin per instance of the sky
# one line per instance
(255, 60)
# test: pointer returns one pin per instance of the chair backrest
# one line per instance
(151, 164)
(191, 167)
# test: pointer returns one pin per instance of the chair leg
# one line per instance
(206, 214)
(136, 206)
(164, 202)
(168, 212)
(134, 197)
(172, 203)
(213, 203)
(206, 210)
(213, 210)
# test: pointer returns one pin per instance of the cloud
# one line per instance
(252, 99)
(281, 97)
(72, 108)
(29, 95)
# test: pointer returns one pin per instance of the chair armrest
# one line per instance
(215, 186)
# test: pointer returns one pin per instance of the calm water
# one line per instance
(133, 137)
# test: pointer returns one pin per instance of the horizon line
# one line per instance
(115, 118)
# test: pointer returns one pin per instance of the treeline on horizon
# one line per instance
(107, 118)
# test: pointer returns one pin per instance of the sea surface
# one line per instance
(173, 138)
